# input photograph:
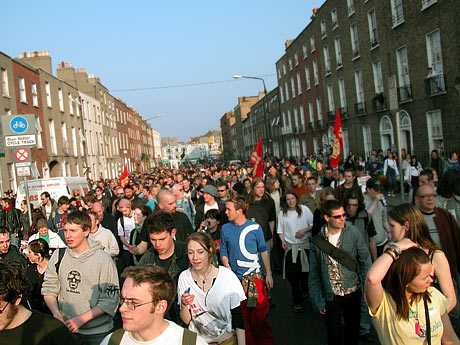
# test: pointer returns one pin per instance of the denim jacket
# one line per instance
(352, 241)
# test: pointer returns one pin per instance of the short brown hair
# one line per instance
(240, 203)
(161, 284)
(79, 218)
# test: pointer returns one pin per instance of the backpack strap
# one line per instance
(115, 338)
(60, 256)
(188, 338)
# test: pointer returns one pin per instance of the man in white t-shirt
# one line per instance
(146, 295)
(125, 225)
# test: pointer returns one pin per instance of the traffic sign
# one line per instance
(18, 124)
(20, 140)
(23, 164)
(23, 171)
(22, 154)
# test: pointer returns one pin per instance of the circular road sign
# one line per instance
(22, 155)
(19, 124)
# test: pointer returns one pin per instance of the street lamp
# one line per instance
(266, 128)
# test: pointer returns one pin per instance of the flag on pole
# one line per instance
(257, 159)
(124, 177)
(337, 147)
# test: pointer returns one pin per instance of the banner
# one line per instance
(257, 159)
(337, 147)
(124, 177)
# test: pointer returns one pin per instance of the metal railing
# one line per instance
(435, 85)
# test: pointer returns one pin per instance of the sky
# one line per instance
(157, 45)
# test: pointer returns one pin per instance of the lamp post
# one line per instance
(266, 127)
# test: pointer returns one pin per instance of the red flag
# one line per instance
(338, 141)
(124, 177)
(257, 159)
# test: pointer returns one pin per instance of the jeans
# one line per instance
(343, 318)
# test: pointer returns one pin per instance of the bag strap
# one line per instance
(189, 337)
(115, 338)
(337, 254)
(427, 321)
(60, 256)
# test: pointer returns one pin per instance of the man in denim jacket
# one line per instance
(334, 289)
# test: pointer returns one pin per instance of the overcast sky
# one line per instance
(161, 45)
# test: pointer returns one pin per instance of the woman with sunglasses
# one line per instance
(210, 296)
(406, 221)
(294, 228)
(404, 306)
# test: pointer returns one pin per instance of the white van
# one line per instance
(56, 186)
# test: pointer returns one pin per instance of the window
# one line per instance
(311, 112)
(70, 100)
(330, 98)
(367, 140)
(279, 73)
(296, 59)
(34, 95)
(312, 44)
(378, 77)
(342, 95)
(53, 142)
(403, 74)
(284, 69)
(282, 94)
(290, 64)
(435, 78)
(302, 118)
(346, 142)
(334, 20)
(315, 73)
(354, 40)
(48, 94)
(65, 142)
(318, 109)
(351, 7)
(307, 78)
(296, 121)
(286, 90)
(5, 86)
(373, 34)
(428, 3)
(338, 52)
(323, 29)
(304, 51)
(397, 12)
(293, 93)
(61, 100)
(435, 132)
(299, 84)
(22, 91)
(74, 142)
(39, 134)
(327, 60)
(359, 92)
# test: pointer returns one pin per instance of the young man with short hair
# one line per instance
(9, 252)
(81, 285)
(48, 205)
(103, 236)
(58, 219)
(20, 326)
(146, 296)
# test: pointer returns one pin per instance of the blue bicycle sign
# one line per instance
(19, 124)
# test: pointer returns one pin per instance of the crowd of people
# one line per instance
(187, 256)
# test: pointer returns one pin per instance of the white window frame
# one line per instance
(367, 140)
(434, 62)
(378, 77)
(327, 60)
(312, 44)
(323, 29)
(304, 51)
(319, 110)
(299, 84)
(432, 136)
(5, 83)
(48, 94)
(307, 78)
(302, 117)
(293, 87)
(402, 64)
(428, 3)
(330, 98)
(296, 59)
(61, 100)
(338, 53)
(315, 73)
(342, 93)
(373, 31)
(354, 41)
(34, 95)
(311, 112)
(359, 86)
(22, 90)
(334, 19)
(53, 140)
(397, 12)
(350, 7)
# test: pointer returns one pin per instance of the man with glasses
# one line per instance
(222, 191)
(339, 260)
(146, 296)
(444, 229)
(20, 326)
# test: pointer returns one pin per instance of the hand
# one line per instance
(132, 249)
(187, 299)
(300, 234)
(405, 243)
(74, 324)
(60, 317)
(269, 280)
(322, 311)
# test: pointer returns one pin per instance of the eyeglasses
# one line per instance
(339, 216)
(428, 196)
(3, 309)
(221, 190)
(131, 305)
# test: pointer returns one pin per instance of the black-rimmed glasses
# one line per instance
(131, 305)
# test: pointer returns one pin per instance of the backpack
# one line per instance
(188, 338)
(60, 256)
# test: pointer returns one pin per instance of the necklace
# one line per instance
(204, 278)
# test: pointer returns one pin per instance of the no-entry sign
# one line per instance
(22, 154)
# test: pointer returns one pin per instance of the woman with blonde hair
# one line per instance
(407, 222)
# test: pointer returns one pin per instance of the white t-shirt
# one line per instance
(129, 226)
(214, 206)
(212, 318)
(172, 335)
(106, 239)
(290, 223)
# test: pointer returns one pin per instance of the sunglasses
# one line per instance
(339, 216)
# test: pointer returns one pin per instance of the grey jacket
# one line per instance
(82, 283)
(319, 285)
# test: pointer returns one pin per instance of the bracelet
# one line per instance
(390, 253)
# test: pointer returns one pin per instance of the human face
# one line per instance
(129, 193)
(33, 257)
(125, 208)
(44, 200)
(138, 216)
(43, 230)
(397, 231)
(64, 207)
(98, 209)
(259, 190)
(163, 242)
(311, 184)
(422, 280)
(231, 212)
(424, 180)
(198, 256)
(426, 198)
(222, 190)
(348, 176)
(4, 243)
(140, 319)
(352, 207)
(208, 198)
(94, 223)
(168, 204)
(291, 200)
(75, 237)
(336, 220)
(296, 181)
